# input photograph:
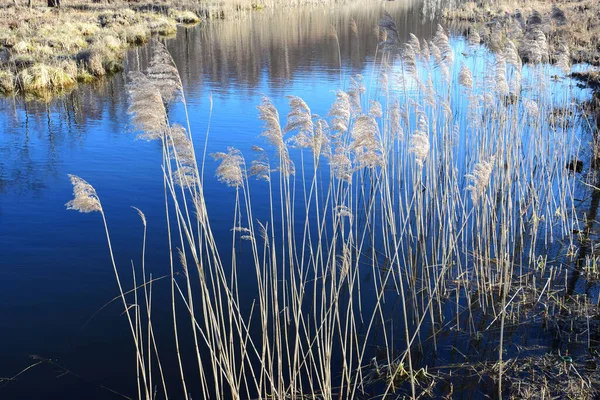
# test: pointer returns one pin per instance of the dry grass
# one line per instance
(94, 40)
(453, 241)
(572, 23)
(97, 34)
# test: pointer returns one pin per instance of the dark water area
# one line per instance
(56, 277)
(55, 270)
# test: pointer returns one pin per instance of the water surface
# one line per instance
(55, 270)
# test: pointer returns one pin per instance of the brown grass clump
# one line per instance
(135, 34)
(42, 77)
(7, 82)
(184, 17)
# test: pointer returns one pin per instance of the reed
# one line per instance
(439, 189)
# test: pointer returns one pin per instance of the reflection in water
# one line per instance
(277, 46)
(53, 269)
(262, 48)
(35, 134)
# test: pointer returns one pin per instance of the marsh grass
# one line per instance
(47, 51)
(574, 24)
(434, 213)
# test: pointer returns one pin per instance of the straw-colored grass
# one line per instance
(95, 37)
(184, 17)
(7, 82)
(574, 23)
(45, 78)
(443, 188)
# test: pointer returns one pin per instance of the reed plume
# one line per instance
(511, 55)
(465, 77)
(340, 112)
(375, 111)
(531, 107)
(442, 41)
(357, 88)
(563, 59)
(501, 83)
(419, 141)
(409, 59)
(272, 131)
(480, 178)
(320, 143)
(415, 43)
(163, 72)
(181, 145)
(436, 53)
(395, 127)
(474, 39)
(366, 144)
(425, 51)
(260, 167)
(230, 170)
(535, 46)
(300, 119)
(341, 164)
(146, 107)
(268, 113)
(85, 199)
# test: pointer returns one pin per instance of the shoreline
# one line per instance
(543, 31)
(46, 52)
(571, 28)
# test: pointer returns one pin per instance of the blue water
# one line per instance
(55, 270)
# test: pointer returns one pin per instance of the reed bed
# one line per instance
(571, 23)
(433, 204)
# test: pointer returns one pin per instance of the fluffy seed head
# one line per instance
(340, 112)
(85, 198)
(465, 77)
(419, 141)
(163, 72)
(146, 107)
(366, 145)
(300, 119)
(272, 128)
(230, 171)
(480, 178)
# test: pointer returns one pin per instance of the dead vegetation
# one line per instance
(46, 51)
(571, 24)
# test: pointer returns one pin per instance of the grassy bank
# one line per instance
(46, 51)
(572, 24)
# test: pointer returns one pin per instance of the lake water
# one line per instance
(55, 270)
